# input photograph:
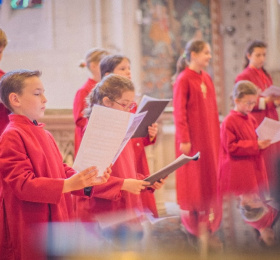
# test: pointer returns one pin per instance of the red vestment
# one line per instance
(4, 112)
(196, 120)
(32, 173)
(78, 111)
(108, 197)
(241, 164)
(263, 80)
(147, 195)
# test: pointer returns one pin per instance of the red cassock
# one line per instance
(4, 120)
(78, 111)
(241, 164)
(196, 120)
(32, 173)
(263, 80)
(147, 195)
(108, 197)
(4, 112)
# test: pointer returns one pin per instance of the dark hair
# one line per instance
(250, 48)
(110, 62)
(242, 88)
(13, 82)
(111, 86)
(193, 46)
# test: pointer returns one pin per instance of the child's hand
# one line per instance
(185, 148)
(276, 100)
(80, 180)
(134, 186)
(264, 143)
(153, 130)
(104, 178)
(158, 184)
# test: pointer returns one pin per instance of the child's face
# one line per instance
(257, 58)
(126, 102)
(95, 70)
(246, 104)
(202, 58)
(32, 102)
(123, 69)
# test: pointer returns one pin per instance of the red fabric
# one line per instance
(32, 173)
(108, 197)
(266, 221)
(193, 220)
(147, 196)
(241, 164)
(4, 117)
(4, 112)
(78, 111)
(196, 121)
(262, 80)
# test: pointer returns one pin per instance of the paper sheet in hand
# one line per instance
(271, 91)
(154, 107)
(269, 129)
(164, 172)
(106, 135)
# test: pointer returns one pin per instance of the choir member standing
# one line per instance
(197, 130)
(36, 182)
(255, 72)
(93, 58)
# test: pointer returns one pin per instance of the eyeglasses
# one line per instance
(129, 106)
(249, 103)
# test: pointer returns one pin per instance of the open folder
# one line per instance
(164, 172)
(107, 133)
(154, 107)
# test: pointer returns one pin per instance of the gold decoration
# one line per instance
(203, 89)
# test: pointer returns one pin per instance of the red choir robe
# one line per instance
(241, 164)
(147, 195)
(4, 112)
(78, 111)
(32, 173)
(197, 121)
(263, 80)
(4, 120)
(108, 197)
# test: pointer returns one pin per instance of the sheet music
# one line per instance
(165, 171)
(269, 129)
(271, 91)
(104, 137)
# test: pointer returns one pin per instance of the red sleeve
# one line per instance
(147, 141)
(236, 147)
(78, 108)
(180, 100)
(111, 190)
(18, 173)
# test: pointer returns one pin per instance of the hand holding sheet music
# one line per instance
(107, 133)
(154, 108)
(164, 172)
